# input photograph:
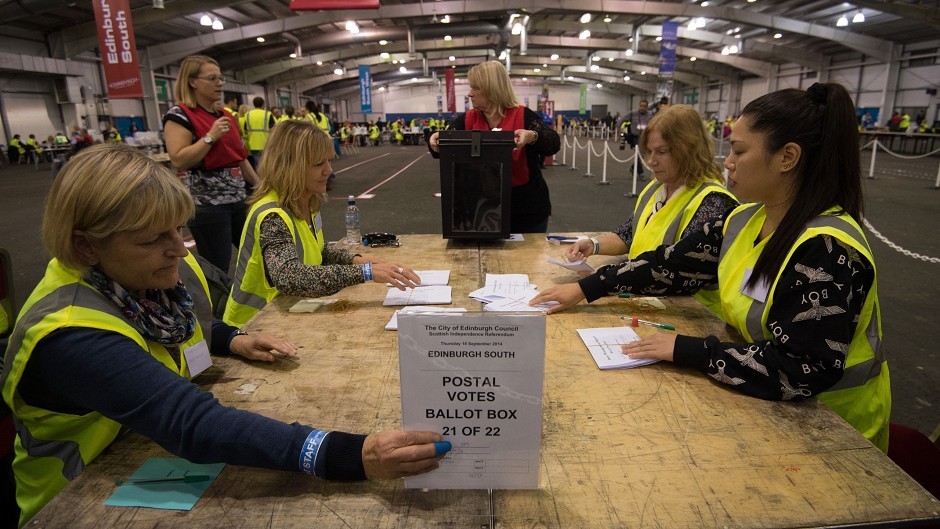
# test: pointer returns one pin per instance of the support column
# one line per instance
(153, 119)
(890, 91)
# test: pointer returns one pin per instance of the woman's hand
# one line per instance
(394, 454)
(580, 250)
(565, 295)
(262, 347)
(220, 128)
(660, 346)
(399, 276)
(525, 137)
(434, 142)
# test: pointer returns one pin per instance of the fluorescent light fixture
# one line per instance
(778, 35)
(725, 51)
(338, 71)
(692, 59)
(733, 49)
(737, 29)
(599, 85)
(384, 55)
(643, 72)
(516, 28)
(414, 79)
(585, 18)
(610, 59)
(571, 78)
(537, 70)
(217, 25)
(381, 89)
(260, 39)
(205, 20)
(629, 52)
(705, 4)
(293, 55)
(445, 19)
(452, 58)
(554, 56)
(842, 22)
(319, 63)
(626, 77)
(525, 78)
(402, 69)
(595, 58)
(448, 38)
(607, 19)
(352, 27)
(544, 65)
(584, 35)
(595, 67)
(858, 18)
(383, 42)
(659, 39)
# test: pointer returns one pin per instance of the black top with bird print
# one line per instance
(818, 331)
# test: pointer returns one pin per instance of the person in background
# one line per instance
(277, 114)
(795, 272)
(687, 193)
(282, 248)
(114, 136)
(108, 339)
(231, 105)
(242, 116)
(16, 150)
(322, 121)
(203, 143)
(495, 106)
(33, 149)
(373, 134)
(636, 122)
(258, 123)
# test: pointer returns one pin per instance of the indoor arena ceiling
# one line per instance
(622, 41)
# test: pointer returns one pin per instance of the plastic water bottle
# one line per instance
(353, 235)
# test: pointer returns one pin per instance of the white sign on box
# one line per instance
(476, 379)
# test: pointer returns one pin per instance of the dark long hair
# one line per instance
(314, 109)
(821, 120)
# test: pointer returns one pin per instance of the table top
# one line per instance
(656, 446)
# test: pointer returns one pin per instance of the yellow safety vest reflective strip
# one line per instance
(256, 128)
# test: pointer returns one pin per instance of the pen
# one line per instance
(634, 321)
(189, 478)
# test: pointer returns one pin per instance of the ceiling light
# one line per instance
(445, 19)
(705, 4)
(737, 29)
(319, 63)
(502, 55)
(595, 58)
(629, 53)
(383, 42)
(778, 35)
(730, 31)
(692, 59)
(414, 79)
(585, 18)
(402, 69)
(751, 1)
(630, 39)
(217, 25)
(401, 61)
(599, 85)
(448, 38)
(842, 22)
(595, 67)
(381, 89)
(293, 55)
(525, 78)
(586, 34)
(544, 65)
(453, 66)
(643, 72)
(452, 58)
(607, 19)
(571, 78)
(659, 39)
(733, 49)
(260, 39)
(554, 56)
(693, 25)
(338, 71)
(858, 18)
(610, 59)
(517, 29)
(384, 55)
(626, 77)
(352, 27)
(205, 20)
(537, 70)
(724, 51)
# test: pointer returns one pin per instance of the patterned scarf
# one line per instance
(163, 316)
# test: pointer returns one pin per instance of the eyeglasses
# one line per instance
(213, 79)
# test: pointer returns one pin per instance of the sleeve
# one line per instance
(548, 142)
(334, 254)
(661, 271)
(176, 115)
(815, 310)
(287, 271)
(714, 206)
(132, 388)
(625, 231)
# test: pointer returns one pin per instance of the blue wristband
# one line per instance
(308, 454)
(367, 272)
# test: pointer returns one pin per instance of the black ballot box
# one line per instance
(476, 183)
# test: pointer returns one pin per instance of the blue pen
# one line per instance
(441, 448)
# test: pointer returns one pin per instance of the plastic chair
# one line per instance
(917, 455)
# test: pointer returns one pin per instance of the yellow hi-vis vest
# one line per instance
(323, 122)
(373, 132)
(863, 395)
(256, 129)
(52, 448)
(251, 289)
(667, 225)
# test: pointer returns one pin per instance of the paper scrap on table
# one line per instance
(173, 495)
(432, 278)
(576, 266)
(604, 345)
(437, 295)
(514, 237)
(392, 324)
(310, 305)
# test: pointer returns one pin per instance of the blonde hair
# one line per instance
(492, 80)
(189, 69)
(292, 149)
(243, 110)
(107, 189)
(690, 145)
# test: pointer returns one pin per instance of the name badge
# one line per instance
(317, 223)
(236, 172)
(197, 358)
(757, 292)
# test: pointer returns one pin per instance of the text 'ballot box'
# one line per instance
(476, 183)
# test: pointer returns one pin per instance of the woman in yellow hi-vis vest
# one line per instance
(795, 273)
(118, 326)
(284, 219)
(686, 193)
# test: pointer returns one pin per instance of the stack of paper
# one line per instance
(432, 278)
(508, 293)
(604, 344)
(392, 324)
(437, 295)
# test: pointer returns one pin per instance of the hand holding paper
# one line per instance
(576, 266)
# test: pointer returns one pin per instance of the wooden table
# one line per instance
(656, 446)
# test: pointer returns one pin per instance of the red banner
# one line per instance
(118, 49)
(326, 5)
(451, 95)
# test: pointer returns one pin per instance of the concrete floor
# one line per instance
(902, 204)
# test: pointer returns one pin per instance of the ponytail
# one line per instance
(822, 121)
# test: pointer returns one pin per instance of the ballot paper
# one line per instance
(392, 324)
(520, 304)
(604, 344)
(576, 266)
(514, 237)
(432, 278)
(436, 295)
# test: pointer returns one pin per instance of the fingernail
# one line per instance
(441, 448)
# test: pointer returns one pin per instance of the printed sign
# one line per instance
(118, 49)
(365, 88)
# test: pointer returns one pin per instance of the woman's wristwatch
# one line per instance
(208, 138)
